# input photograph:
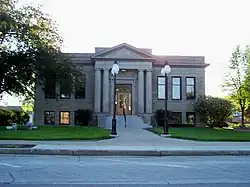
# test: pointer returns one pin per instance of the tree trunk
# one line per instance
(242, 116)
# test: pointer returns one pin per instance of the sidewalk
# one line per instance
(172, 147)
(129, 150)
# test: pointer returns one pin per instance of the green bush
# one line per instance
(13, 116)
(160, 115)
(213, 111)
(21, 117)
(6, 117)
(83, 117)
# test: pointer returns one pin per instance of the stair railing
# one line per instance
(124, 115)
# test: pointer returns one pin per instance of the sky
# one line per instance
(210, 28)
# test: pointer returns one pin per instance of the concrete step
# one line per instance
(132, 122)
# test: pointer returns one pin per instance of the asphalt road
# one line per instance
(27, 171)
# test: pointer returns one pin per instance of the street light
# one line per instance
(115, 70)
(165, 71)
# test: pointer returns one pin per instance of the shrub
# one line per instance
(213, 111)
(5, 117)
(160, 115)
(83, 117)
(13, 116)
(21, 117)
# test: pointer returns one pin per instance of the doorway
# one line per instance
(123, 99)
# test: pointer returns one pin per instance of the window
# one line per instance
(190, 88)
(49, 117)
(176, 88)
(80, 93)
(64, 91)
(64, 118)
(78, 118)
(161, 87)
(191, 118)
(50, 89)
(177, 118)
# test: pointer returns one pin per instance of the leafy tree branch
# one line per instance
(237, 79)
(30, 51)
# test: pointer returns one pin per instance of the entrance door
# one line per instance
(123, 99)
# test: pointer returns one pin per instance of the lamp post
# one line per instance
(165, 71)
(115, 70)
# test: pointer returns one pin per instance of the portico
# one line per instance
(135, 72)
(136, 75)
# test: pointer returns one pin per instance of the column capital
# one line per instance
(149, 70)
(106, 69)
(98, 69)
(140, 69)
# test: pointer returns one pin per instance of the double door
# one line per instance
(123, 99)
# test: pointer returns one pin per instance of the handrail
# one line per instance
(124, 115)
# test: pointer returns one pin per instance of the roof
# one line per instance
(103, 51)
(181, 60)
(143, 53)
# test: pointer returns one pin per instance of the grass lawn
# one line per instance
(205, 134)
(56, 133)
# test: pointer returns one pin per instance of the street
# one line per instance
(29, 170)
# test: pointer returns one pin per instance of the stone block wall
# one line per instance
(71, 105)
(182, 105)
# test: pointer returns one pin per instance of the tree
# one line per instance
(213, 111)
(237, 80)
(30, 51)
(28, 104)
(235, 107)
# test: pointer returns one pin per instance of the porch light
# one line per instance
(115, 69)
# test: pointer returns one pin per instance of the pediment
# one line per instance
(123, 51)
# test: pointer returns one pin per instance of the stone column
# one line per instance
(97, 90)
(149, 91)
(106, 86)
(140, 96)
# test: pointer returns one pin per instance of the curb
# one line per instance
(86, 152)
